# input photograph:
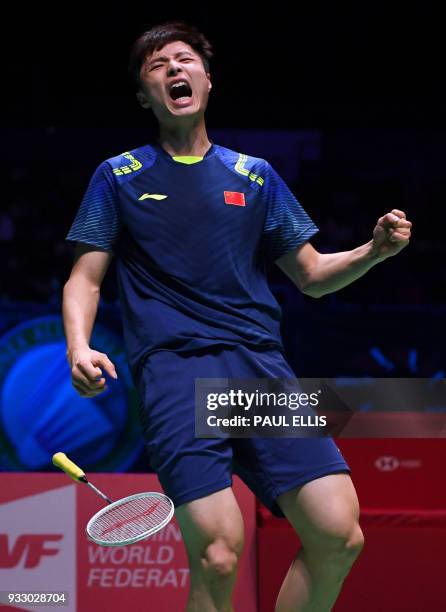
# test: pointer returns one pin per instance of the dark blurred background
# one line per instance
(346, 101)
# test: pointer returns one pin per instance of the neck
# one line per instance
(184, 140)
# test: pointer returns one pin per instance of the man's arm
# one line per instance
(80, 302)
(317, 274)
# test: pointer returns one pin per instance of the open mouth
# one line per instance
(180, 91)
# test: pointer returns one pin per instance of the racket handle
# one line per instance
(61, 461)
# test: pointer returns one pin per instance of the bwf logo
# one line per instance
(29, 548)
(38, 543)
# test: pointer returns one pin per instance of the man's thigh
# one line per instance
(323, 510)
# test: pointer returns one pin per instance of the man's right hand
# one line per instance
(86, 372)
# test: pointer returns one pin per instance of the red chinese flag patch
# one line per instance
(235, 198)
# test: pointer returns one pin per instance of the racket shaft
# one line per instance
(96, 490)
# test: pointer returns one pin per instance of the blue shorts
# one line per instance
(189, 467)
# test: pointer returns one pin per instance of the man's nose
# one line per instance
(173, 68)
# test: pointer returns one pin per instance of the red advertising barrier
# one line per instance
(401, 568)
(400, 485)
(397, 472)
(43, 547)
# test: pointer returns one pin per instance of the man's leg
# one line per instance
(212, 529)
(324, 513)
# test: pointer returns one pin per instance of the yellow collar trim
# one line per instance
(187, 159)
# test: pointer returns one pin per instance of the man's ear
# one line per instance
(209, 79)
(142, 99)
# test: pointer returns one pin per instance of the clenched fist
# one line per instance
(391, 234)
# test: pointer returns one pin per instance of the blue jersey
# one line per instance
(191, 238)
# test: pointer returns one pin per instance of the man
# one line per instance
(191, 225)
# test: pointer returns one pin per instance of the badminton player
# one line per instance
(191, 225)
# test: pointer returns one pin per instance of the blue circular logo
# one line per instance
(41, 413)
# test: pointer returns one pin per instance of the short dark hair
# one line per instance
(159, 36)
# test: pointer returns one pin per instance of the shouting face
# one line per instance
(174, 82)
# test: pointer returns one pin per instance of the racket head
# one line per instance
(130, 519)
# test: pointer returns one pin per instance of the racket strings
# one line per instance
(130, 518)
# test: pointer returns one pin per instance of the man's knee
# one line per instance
(334, 555)
(221, 558)
(345, 545)
(212, 529)
(355, 543)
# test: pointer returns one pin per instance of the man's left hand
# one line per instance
(391, 234)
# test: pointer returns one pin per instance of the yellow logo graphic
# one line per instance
(132, 167)
(153, 196)
(240, 168)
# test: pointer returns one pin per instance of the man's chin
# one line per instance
(191, 110)
(165, 114)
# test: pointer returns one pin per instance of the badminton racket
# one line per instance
(125, 521)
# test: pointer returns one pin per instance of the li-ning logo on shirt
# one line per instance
(132, 167)
(152, 196)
